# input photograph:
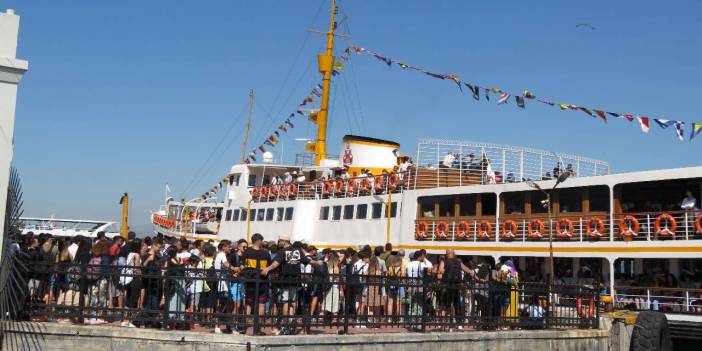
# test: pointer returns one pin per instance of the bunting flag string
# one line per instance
(520, 99)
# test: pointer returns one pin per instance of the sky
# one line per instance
(126, 96)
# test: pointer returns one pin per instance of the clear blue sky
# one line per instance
(128, 95)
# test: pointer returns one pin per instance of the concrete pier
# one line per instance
(64, 337)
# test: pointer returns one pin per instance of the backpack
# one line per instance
(94, 270)
(355, 280)
(212, 278)
(73, 275)
(127, 270)
(393, 281)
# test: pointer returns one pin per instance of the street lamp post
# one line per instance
(561, 178)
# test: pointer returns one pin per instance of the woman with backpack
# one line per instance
(131, 281)
(394, 289)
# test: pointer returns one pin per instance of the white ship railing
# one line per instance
(508, 163)
(669, 300)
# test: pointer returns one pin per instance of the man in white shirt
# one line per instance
(221, 262)
(418, 266)
(288, 178)
(689, 202)
(448, 161)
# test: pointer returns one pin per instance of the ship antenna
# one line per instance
(326, 66)
(248, 125)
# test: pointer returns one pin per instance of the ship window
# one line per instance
(260, 215)
(244, 215)
(253, 215)
(489, 203)
(362, 211)
(599, 198)
(377, 210)
(280, 211)
(570, 200)
(324, 213)
(536, 205)
(234, 179)
(514, 203)
(269, 214)
(289, 214)
(426, 206)
(466, 203)
(228, 216)
(393, 209)
(348, 212)
(235, 215)
(252, 180)
(336, 213)
(447, 206)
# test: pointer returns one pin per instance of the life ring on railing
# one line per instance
(462, 229)
(338, 186)
(421, 230)
(365, 184)
(564, 228)
(665, 231)
(590, 308)
(597, 230)
(628, 230)
(539, 232)
(509, 233)
(441, 229)
(273, 191)
(255, 192)
(264, 191)
(393, 181)
(327, 187)
(698, 224)
(351, 186)
(292, 189)
(484, 229)
(379, 183)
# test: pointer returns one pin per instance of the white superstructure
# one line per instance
(67, 227)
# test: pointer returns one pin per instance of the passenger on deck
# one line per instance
(345, 173)
(405, 166)
(569, 169)
(288, 178)
(557, 170)
(547, 176)
(299, 178)
(448, 161)
(510, 178)
(689, 203)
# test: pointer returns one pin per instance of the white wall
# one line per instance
(11, 71)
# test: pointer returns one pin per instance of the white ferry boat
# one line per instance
(67, 227)
(478, 199)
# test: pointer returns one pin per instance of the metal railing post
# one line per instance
(648, 227)
(423, 303)
(648, 299)
(687, 228)
(687, 301)
(347, 300)
(257, 293)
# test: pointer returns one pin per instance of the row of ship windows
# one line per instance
(260, 215)
(346, 212)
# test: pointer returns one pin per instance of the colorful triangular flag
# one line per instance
(680, 130)
(475, 90)
(435, 75)
(527, 94)
(282, 127)
(520, 101)
(601, 114)
(645, 123)
(487, 94)
(664, 123)
(696, 129)
(584, 110)
(503, 98)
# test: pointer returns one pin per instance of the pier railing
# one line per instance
(203, 299)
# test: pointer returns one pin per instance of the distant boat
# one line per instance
(67, 227)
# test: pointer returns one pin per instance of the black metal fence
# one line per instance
(183, 298)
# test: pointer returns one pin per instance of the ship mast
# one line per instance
(248, 126)
(326, 65)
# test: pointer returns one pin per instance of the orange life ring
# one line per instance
(564, 228)
(255, 192)
(264, 191)
(484, 229)
(292, 189)
(421, 230)
(351, 186)
(393, 181)
(365, 184)
(327, 187)
(509, 234)
(441, 229)
(379, 183)
(462, 229)
(698, 224)
(590, 308)
(598, 229)
(539, 233)
(273, 191)
(339, 186)
(626, 230)
(665, 231)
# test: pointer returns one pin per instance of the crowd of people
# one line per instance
(155, 276)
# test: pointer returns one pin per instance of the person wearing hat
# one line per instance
(288, 178)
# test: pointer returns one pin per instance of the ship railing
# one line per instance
(668, 300)
(481, 163)
(515, 228)
(334, 188)
(82, 294)
(658, 225)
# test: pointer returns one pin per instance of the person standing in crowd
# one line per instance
(174, 290)
(73, 248)
(255, 260)
(451, 273)
(416, 271)
(208, 294)
(221, 265)
(152, 284)
(395, 291)
(133, 285)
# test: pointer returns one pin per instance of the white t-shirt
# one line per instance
(219, 262)
(448, 160)
(415, 269)
(360, 267)
(688, 203)
(72, 249)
